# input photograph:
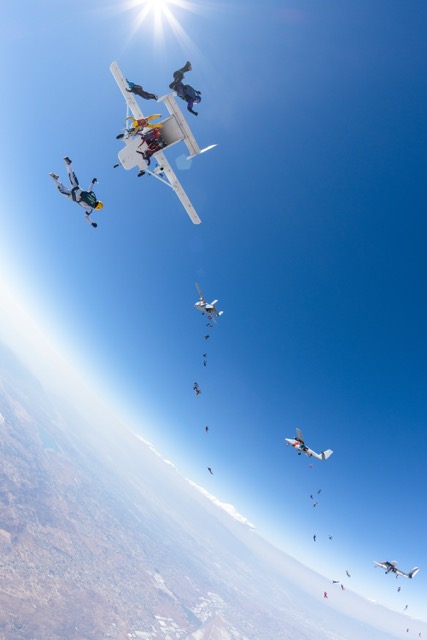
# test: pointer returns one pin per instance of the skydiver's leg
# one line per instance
(146, 95)
(71, 175)
(178, 76)
(60, 186)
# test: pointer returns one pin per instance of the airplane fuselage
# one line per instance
(204, 307)
(301, 447)
(390, 567)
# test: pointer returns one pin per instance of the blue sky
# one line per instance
(313, 239)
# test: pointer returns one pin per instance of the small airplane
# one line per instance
(392, 567)
(301, 447)
(173, 129)
(205, 307)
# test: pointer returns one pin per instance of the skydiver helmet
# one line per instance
(99, 205)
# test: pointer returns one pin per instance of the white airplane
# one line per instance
(392, 567)
(301, 447)
(174, 129)
(205, 307)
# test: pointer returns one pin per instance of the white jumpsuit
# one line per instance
(76, 191)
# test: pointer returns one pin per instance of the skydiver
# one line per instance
(315, 504)
(405, 608)
(342, 587)
(210, 471)
(204, 363)
(348, 574)
(86, 199)
(139, 91)
(314, 538)
(147, 155)
(208, 324)
(319, 491)
(206, 428)
(398, 589)
(311, 496)
(153, 139)
(325, 595)
(185, 91)
(206, 336)
(330, 537)
(335, 581)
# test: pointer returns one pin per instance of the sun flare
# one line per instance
(160, 19)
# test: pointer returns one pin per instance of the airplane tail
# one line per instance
(413, 572)
(214, 303)
(326, 454)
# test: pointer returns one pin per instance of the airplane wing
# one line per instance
(383, 565)
(299, 434)
(176, 129)
(187, 136)
(123, 85)
(176, 186)
(200, 292)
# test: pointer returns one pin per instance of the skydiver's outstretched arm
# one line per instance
(92, 184)
(87, 218)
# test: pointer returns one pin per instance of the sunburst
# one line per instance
(160, 12)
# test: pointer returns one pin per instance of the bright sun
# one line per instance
(160, 13)
(147, 6)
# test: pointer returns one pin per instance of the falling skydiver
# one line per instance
(139, 91)
(185, 91)
(86, 199)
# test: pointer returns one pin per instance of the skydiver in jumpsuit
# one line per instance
(86, 199)
(185, 91)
